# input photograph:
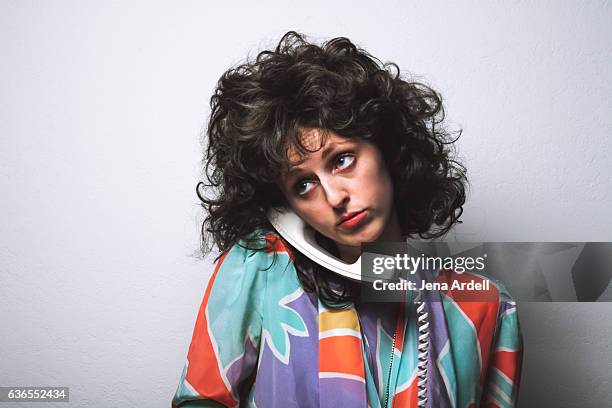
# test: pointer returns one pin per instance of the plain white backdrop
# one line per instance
(102, 104)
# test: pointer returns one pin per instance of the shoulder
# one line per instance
(242, 274)
(253, 257)
(260, 242)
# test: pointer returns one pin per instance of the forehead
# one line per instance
(313, 140)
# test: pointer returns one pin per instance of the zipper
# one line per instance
(390, 360)
(390, 368)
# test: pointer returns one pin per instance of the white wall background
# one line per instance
(101, 108)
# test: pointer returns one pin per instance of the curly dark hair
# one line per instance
(260, 106)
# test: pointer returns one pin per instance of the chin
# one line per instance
(369, 233)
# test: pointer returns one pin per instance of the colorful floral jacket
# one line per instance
(261, 341)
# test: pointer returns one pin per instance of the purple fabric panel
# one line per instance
(295, 384)
(242, 368)
(340, 392)
(369, 313)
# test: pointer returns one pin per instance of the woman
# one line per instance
(359, 154)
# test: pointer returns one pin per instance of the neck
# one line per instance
(348, 253)
(392, 232)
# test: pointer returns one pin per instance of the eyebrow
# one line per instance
(328, 149)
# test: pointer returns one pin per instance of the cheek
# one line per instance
(308, 211)
(384, 192)
(375, 181)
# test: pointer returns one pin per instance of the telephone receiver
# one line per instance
(302, 236)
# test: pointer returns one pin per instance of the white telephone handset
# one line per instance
(302, 236)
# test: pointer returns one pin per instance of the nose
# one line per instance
(336, 191)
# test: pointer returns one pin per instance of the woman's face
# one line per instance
(343, 189)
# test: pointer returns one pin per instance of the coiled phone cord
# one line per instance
(422, 347)
(422, 351)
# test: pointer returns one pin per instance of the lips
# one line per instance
(352, 219)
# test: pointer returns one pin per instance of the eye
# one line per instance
(303, 187)
(344, 160)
